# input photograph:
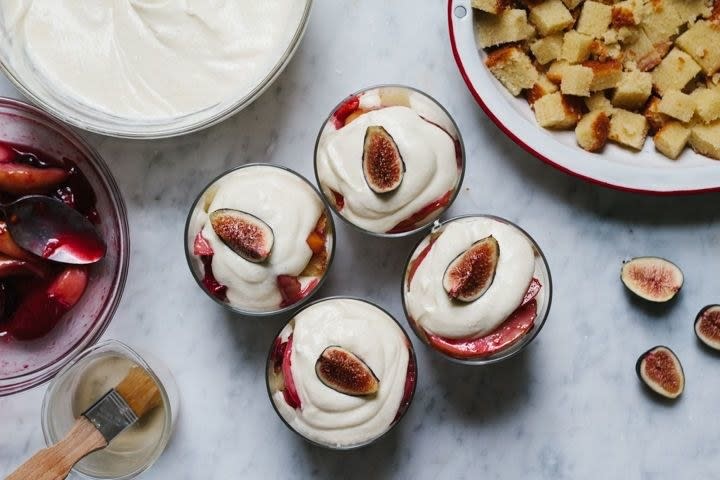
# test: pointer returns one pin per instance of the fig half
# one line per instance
(243, 233)
(472, 272)
(382, 163)
(707, 326)
(652, 278)
(660, 369)
(344, 372)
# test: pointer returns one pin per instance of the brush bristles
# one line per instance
(139, 391)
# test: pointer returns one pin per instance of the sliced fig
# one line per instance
(652, 278)
(344, 372)
(11, 267)
(707, 326)
(243, 233)
(472, 272)
(660, 369)
(382, 163)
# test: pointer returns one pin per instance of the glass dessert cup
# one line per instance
(286, 401)
(375, 100)
(513, 334)
(295, 288)
(33, 84)
(132, 452)
(28, 363)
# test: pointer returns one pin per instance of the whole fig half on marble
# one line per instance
(345, 372)
(707, 326)
(243, 233)
(472, 272)
(652, 278)
(660, 369)
(382, 163)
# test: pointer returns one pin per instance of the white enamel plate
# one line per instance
(646, 171)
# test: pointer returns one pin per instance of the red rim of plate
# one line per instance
(535, 153)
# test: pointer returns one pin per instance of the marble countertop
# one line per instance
(569, 407)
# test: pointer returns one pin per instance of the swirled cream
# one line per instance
(428, 151)
(325, 415)
(151, 59)
(432, 308)
(283, 201)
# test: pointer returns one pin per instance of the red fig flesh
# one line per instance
(382, 163)
(245, 234)
(472, 272)
(660, 369)
(652, 278)
(707, 326)
(345, 372)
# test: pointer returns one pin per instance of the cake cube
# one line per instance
(576, 46)
(594, 19)
(702, 42)
(508, 26)
(576, 80)
(556, 112)
(550, 16)
(671, 139)
(606, 74)
(678, 105)
(707, 103)
(490, 6)
(662, 21)
(513, 68)
(548, 48)
(542, 87)
(599, 102)
(689, 10)
(571, 4)
(675, 71)
(555, 72)
(656, 119)
(705, 139)
(633, 90)
(626, 14)
(628, 129)
(592, 131)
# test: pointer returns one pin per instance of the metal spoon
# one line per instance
(50, 229)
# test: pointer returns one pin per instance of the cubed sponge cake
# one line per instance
(513, 68)
(675, 71)
(490, 6)
(571, 4)
(652, 113)
(626, 14)
(662, 21)
(705, 139)
(633, 90)
(550, 16)
(576, 46)
(576, 80)
(592, 131)
(707, 103)
(556, 112)
(598, 101)
(678, 105)
(509, 26)
(702, 42)
(594, 19)
(606, 74)
(548, 48)
(671, 139)
(541, 88)
(628, 129)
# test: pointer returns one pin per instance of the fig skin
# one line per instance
(471, 273)
(653, 279)
(244, 233)
(382, 164)
(346, 373)
(707, 326)
(672, 384)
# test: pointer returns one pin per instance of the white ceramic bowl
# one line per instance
(646, 171)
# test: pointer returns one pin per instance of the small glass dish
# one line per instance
(380, 207)
(279, 359)
(543, 297)
(25, 364)
(33, 84)
(87, 378)
(198, 264)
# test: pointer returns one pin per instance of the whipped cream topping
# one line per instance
(431, 307)
(330, 417)
(151, 59)
(427, 150)
(282, 200)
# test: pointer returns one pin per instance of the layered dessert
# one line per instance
(259, 239)
(474, 287)
(341, 373)
(35, 292)
(389, 160)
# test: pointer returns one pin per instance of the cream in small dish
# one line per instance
(341, 373)
(477, 289)
(389, 160)
(259, 239)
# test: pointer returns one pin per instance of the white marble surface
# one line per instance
(570, 407)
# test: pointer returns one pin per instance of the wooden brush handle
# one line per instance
(55, 463)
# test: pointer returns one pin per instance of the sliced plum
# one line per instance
(707, 326)
(382, 163)
(660, 370)
(22, 179)
(12, 267)
(417, 261)
(201, 246)
(414, 220)
(342, 113)
(292, 291)
(410, 381)
(652, 278)
(343, 371)
(289, 392)
(472, 272)
(243, 233)
(9, 247)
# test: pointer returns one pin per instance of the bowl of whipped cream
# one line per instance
(147, 68)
